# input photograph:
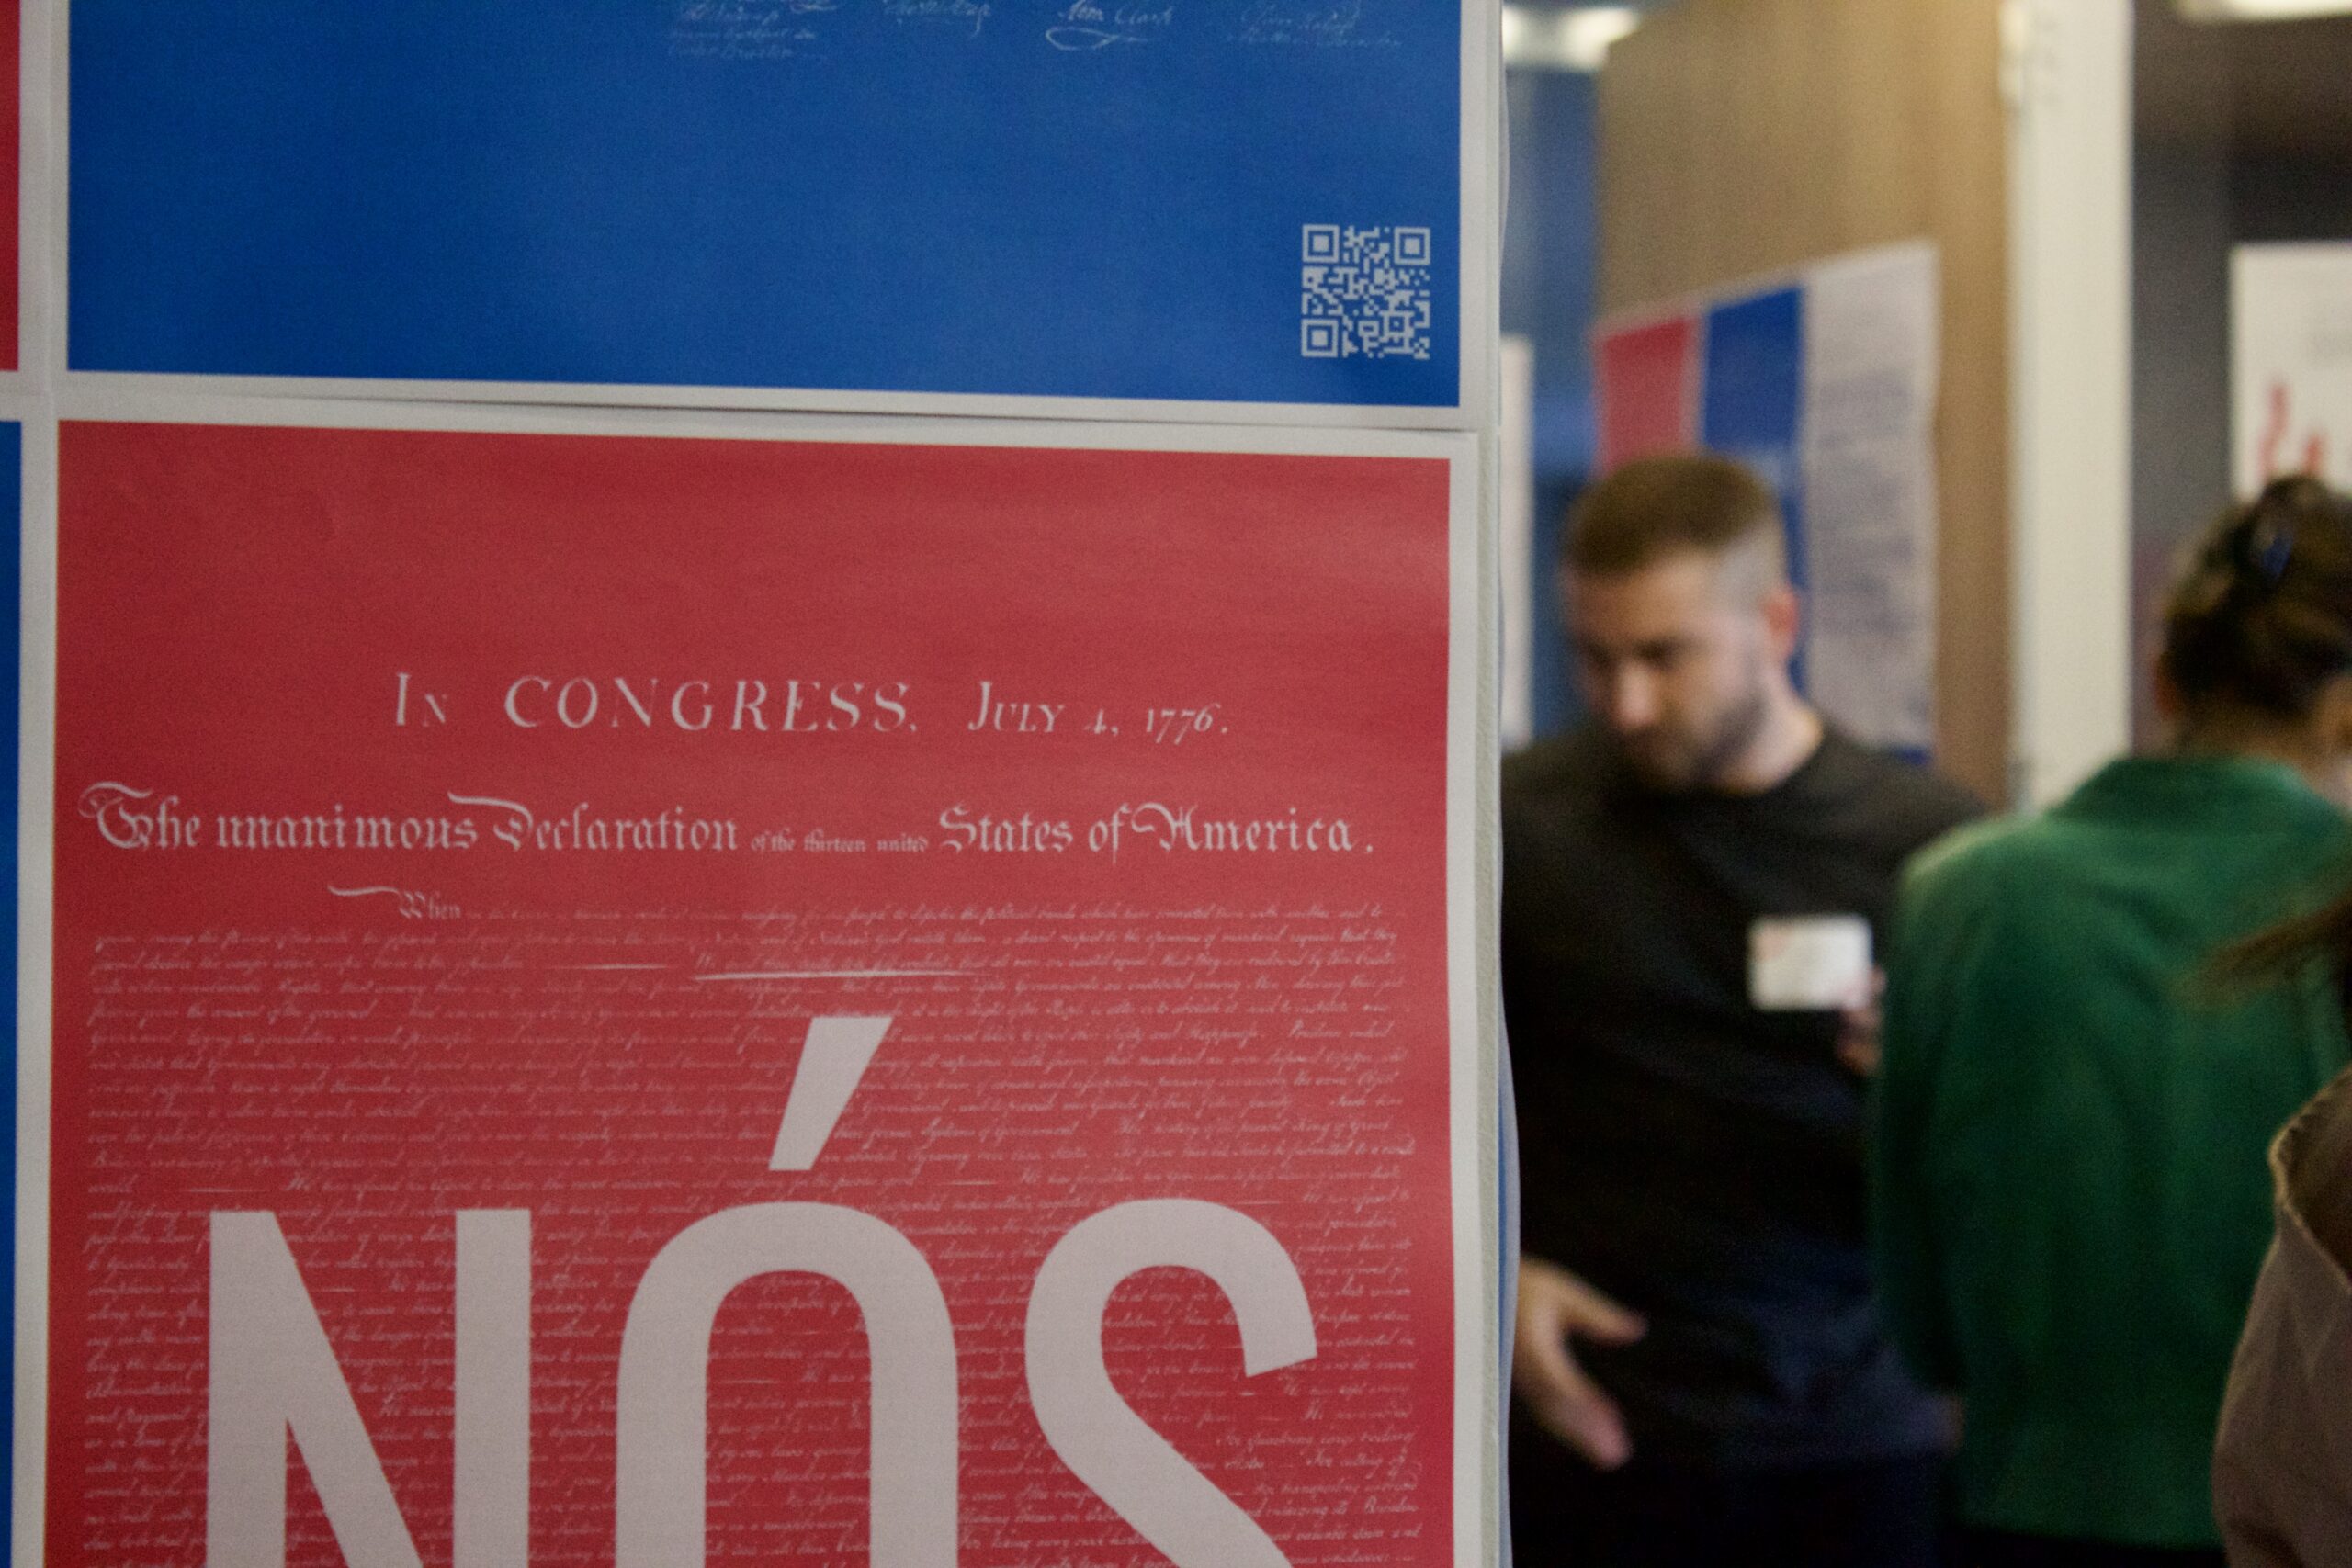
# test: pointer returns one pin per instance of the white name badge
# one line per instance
(1809, 963)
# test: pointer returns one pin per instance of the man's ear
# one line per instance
(1783, 614)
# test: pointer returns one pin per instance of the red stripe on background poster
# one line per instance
(1645, 378)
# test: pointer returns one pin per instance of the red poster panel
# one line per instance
(636, 1001)
(1646, 378)
(12, 174)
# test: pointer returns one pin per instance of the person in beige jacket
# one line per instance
(2282, 1464)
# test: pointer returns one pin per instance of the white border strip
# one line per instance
(37, 731)
(768, 400)
(40, 318)
(1472, 817)
(81, 401)
(1473, 1115)
(1478, 294)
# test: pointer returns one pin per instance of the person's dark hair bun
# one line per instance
(2261, 617)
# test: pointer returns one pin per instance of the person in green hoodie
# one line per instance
(2070, 1196)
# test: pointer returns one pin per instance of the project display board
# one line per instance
(1237, 202)
(1825, 385)
(868, 956)
(826, 997)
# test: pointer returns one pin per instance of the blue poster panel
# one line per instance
(1751, 403)
(1252, 201)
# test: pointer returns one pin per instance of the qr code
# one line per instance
(1363, 291)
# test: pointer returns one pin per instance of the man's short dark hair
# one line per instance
(1656, 507)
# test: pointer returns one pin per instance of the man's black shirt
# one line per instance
(1697, 1159)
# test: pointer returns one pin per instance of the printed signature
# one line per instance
(1089, 25)
(1336, 25)
(973, 14)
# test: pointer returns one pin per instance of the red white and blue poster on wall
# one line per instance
(1824, 384)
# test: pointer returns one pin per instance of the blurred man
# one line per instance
(1701, 1376)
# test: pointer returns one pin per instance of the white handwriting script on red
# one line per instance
(618, 1078)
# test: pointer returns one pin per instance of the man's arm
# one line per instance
(1556, 1308)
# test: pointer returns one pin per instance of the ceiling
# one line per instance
(2260, 86)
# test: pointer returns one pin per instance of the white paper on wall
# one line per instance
(2290, 375)
(1870, 491)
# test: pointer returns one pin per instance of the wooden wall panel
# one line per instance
(1740, 137)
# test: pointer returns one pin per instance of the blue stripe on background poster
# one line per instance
(1241, 200)
(1751, 404)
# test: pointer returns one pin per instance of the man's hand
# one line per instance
(1554, 1308)
(1858, 1030)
